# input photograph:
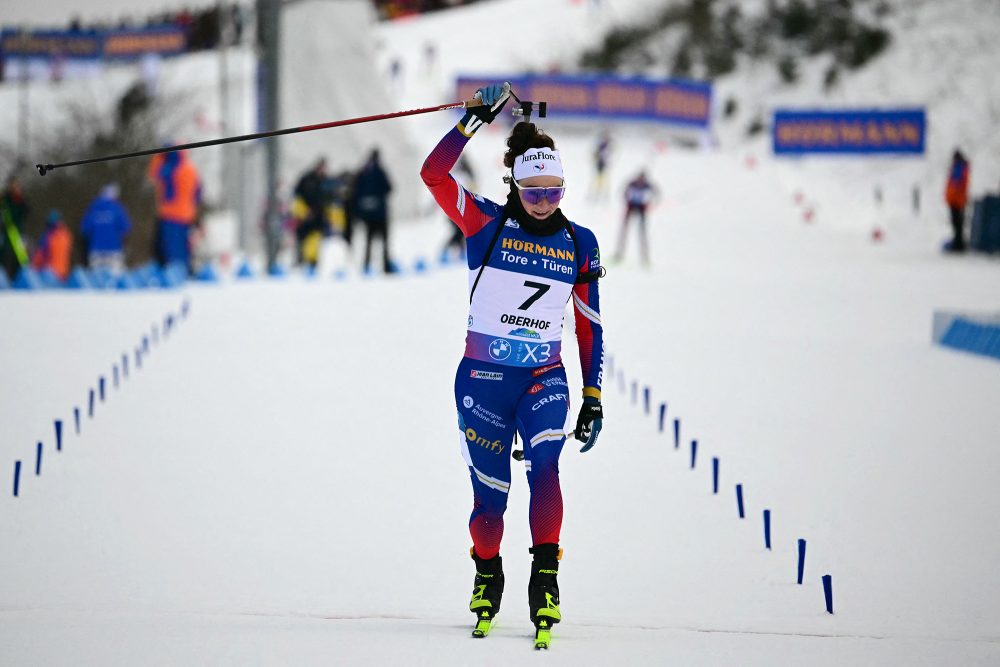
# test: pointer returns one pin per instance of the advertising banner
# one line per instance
(859, 131)
(607, 97)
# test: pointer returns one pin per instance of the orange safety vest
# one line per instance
(176, 188)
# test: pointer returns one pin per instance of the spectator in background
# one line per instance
(956, 195)
(639, 195)
(370, 204)
(178, 196)
(55, 247)
(13, 212)
(311, 197)
(104, 227)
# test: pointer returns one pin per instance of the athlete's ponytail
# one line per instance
(525, 136)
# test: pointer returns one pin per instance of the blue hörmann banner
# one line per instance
(608, 98)
(52, 45)
(860, 131)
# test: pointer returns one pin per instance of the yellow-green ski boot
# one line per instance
(543, 592)
(486, 592)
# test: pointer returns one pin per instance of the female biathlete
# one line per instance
(526, 261)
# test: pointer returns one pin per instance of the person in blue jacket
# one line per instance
(104, 227)
(526, 262)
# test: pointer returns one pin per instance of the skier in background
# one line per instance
(956, 195)
(104, 227)
(526, 261)
(602, 155)
(639, 195)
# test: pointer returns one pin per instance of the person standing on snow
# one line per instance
(371, 204)
(104, 227)
(526, 261)
(178, 197)
(956, 195)
(55, 247)
(639, 194)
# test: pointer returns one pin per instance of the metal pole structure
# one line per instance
(23, 112)
(224, 154)
(269, 28)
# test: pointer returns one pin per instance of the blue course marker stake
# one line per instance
(125, 366)
(38, 460)
(828, 592)
(694, 452)
(138, 358)
(767, 529)
(739, 500)
(17, 478)
(802, 559)
(145, 344)
(100, 387)
(715, 474)
(114, 375)
(90, 408)
(645, 399)
(663, 415)
(76, 419)
(677, 433)
(58, 424)
(635, 391)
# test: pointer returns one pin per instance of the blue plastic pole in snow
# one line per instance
(125, 366)
(663, 415)
(694, 452)
(635, 391)
(645, 399)
(38, 460)
(767, 529)
(739, 500)
(802, 559)
(17, 478)
(114, 375)
(715, 474)
(90, 405)
(76, 419)
(100, 387)
(58, 435)
(828, 592)
(677, 433)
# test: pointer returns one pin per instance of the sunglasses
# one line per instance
(537, 195)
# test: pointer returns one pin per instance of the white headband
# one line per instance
(537, 162)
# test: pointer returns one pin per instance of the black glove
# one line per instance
(589, 423)
(494, 98)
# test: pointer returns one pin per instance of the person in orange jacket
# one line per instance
(178, 196)
(55, 247)
(956, 195)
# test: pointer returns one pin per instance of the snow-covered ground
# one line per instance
(280, 483)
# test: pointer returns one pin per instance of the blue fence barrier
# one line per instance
(976, 334)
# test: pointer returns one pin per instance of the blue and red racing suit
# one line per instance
(512, 376)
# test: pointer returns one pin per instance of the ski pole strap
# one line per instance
(486, 258)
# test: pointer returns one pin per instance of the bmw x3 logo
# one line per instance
(499, 349)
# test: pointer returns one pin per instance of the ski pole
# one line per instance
(45, 168)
